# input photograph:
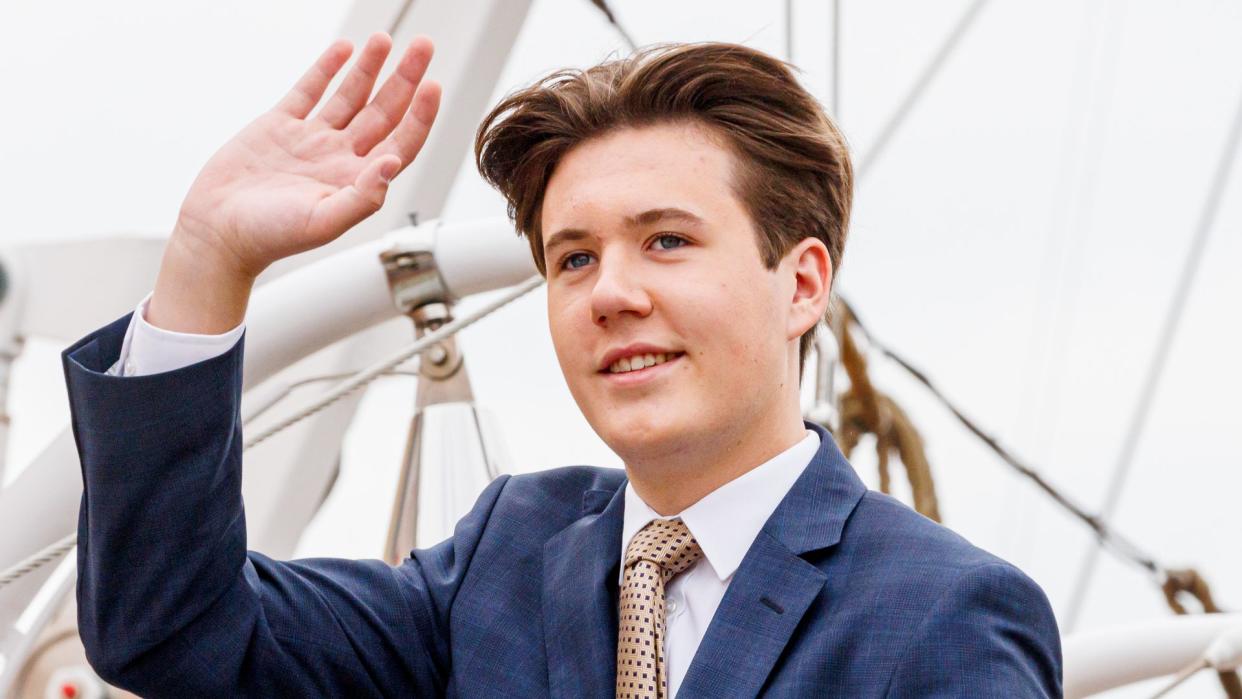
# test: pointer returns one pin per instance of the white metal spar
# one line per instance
(1096, 661)
(349, 292)
(350, 289)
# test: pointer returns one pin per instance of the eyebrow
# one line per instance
(646, 218)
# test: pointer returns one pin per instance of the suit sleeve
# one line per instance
(169, 601)
(992, 633)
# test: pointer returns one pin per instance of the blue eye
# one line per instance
(673, 241)
(576, 260)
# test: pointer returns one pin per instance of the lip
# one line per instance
(629, 351)
(639, 376)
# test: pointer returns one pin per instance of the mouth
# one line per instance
(639, 371)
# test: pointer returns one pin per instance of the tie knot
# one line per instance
(666, 543)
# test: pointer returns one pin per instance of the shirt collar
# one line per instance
(726, 521)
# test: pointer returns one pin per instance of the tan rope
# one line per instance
(1189, 581)
(865, 410)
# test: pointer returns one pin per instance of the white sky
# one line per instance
(1020, 239)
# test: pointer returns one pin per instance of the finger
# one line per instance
(345, 208)
(309, 88)
(392, 101)
(408, 138)
(355, 89)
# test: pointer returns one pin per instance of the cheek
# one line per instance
(565, 322)
(716, 315)
(749, 324)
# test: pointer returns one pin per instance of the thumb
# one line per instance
(348, 206)
(372, 182)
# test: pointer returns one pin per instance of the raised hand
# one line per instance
(290, 182)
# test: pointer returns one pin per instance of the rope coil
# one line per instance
(865, 410)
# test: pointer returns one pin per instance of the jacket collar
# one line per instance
(770, 592)
(774, 586)
(813, 514)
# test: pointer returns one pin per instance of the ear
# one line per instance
(811, 267)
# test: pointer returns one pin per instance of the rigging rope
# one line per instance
(602, 5)
(1171, 581)
(358, 380)
(1164, 344)
(1107, 536)
(912, 98)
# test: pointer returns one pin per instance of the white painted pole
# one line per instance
(1096, 661)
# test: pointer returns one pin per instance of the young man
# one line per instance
(688, 206)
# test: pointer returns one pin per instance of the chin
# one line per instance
(648, 435)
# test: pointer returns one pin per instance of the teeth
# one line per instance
(640, 361)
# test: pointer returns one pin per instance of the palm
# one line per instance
(288, 183)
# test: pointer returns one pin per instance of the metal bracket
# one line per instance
(413, 278)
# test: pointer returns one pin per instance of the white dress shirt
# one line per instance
(151, 350)
(725, 522)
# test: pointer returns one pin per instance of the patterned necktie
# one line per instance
(659, 551)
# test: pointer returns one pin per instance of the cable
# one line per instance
(400, 17)
(1182, 675)
(1172, 320)
(38, 560)
(286, 391)
(920, 86)
(424, 343)
(789, 40)
(612, 19)
(836, 61)
(1109, 538)
(1223, 654)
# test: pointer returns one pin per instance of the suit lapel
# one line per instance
(580, 568)
(774, 586)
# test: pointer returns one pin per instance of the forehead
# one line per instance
(611, 178)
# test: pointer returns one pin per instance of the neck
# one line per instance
(672, 481)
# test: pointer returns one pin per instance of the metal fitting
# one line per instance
(413, 279)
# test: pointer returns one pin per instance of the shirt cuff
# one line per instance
(151, 350)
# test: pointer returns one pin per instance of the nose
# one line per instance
(619, 291)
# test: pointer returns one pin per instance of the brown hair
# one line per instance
(794, 175)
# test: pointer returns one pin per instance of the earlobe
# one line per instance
(812, 272)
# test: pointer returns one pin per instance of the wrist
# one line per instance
(200, 289)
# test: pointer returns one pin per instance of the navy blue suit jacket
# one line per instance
(844, 592)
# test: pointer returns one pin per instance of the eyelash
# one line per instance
(564, 265)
